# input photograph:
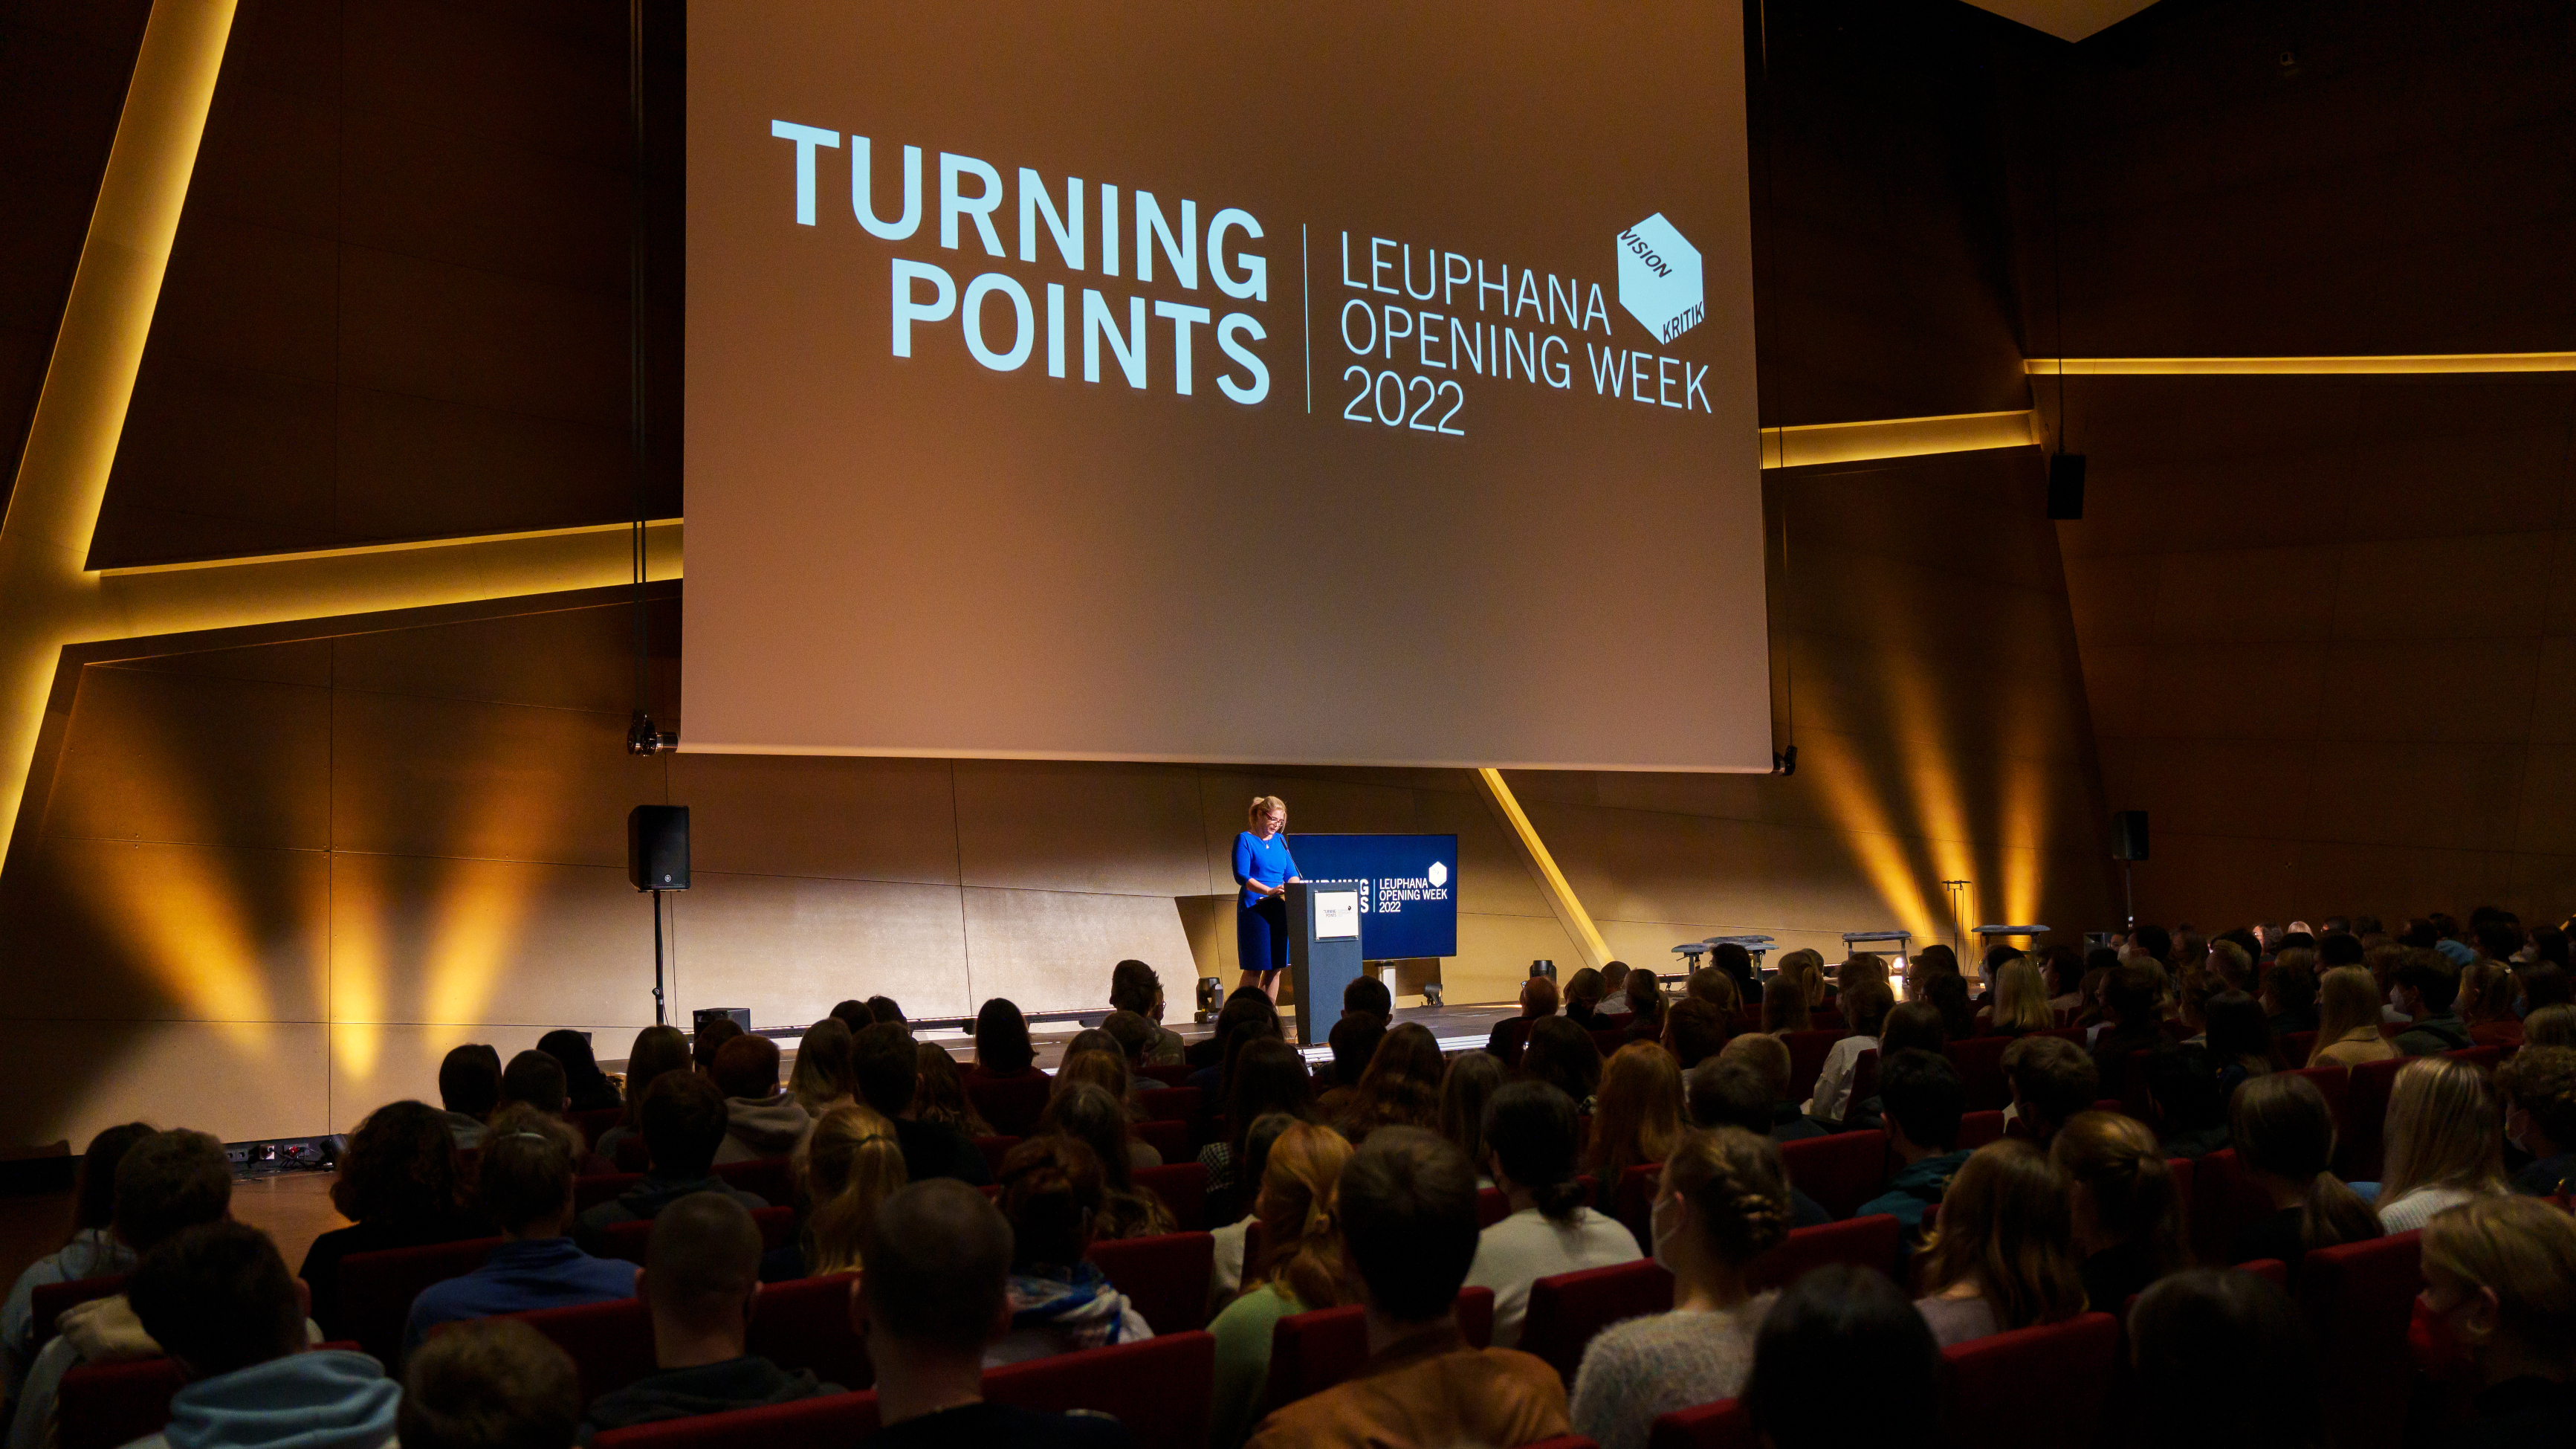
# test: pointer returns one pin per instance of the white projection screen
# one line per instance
(1323, 383)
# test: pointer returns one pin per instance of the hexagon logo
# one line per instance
(1439, 874)
(1659, 279)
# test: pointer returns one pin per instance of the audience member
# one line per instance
(2021, 1001)
(2349, 1012)
(1947, 993)
(1865, 1005)
(494, 1383)
(1538, 1003)
(536, 1079)
(1368, 996)
(1245, 1004)
(1786, 1010)
(400, 1188)
(2485, 1005)
(1737, 1094)
(2427, 989)
(1134, 987)
(1408, 1219)
(1644, 997)
(2239, 1038)
(2552, 1025)
(2543, 983)
(1637, 1117)
(1921, 1100)
(2444, 1142)
(2539, 1088)
(820, 1080)
(709, 1039)
(2003, 1256)
(1135, 1037)
(586, 1087)
(1234, 1239)
(2126, 1208)
(1060, 1301)
(889, 1067)
(2285, 1141)
(1354, 1040)
(166, 1183)
(1614, 985)
(1256, 1020)
(1300, 1269)
(1723, 1202)
(701, 1273)
(1106, 1068)
(1767, 1057)
(1737, 964)
(853, 1162)
(939, 1090)
(883, 1008)
(1802, 1393)
(2189, 1099)
(523, 1186)
(92, 1251)
(219, 1301)
(1002, 1049)
(2052, 1080)
(936, 1293)
(1694, 1031)
(2129, 1015)
(469, 1087)
(1583, 993)
(1914, 1026)
(2222, 1361)
(1805, 968)
(1465, 1088)
(2500, 1287)
(761, 1119)
(657, 1049)
(684, 1124)
(852, 1013)
(1401, 1087)
(2290, 998)
(1270, 1077)
(1088, 1114)
(1530, 1142)
(1711, 986)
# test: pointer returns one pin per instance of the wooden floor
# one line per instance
(294, 1208)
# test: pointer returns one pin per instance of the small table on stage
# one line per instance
(1988, 935)
(1854, 940)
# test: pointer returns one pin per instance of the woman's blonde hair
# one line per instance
(1105, 1070)
(2551, 1025)
(2021, 997)
(2116, 1159)
(1862, 966)
(2347, 1000)
(1785, 1008)
(1806, 967)
(1636, 1112)
(1263, 805)
(852, 1163)
(1301, 1234)
(1737, 1189)
(2445, 1129)
(2521, 1249)
(822, 1076)
(2006, 1227)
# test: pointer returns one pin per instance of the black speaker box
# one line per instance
(2129, 835)
(657, 847)
(2066, 486)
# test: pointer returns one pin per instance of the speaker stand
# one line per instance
(659, 1019)
(2129, 894)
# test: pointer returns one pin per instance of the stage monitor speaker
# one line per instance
(2129, 835)
(657, 847)
(2066, 486)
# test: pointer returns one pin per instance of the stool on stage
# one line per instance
(1866, 940)
(1690, 952)
(1988, 935)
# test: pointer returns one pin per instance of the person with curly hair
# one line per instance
(940, 1097)
(400, 1187)
(1724, 1202)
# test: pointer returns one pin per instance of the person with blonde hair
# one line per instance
(2551, 1025)
(853, 1162)
(1724, 1201)
(2021, 1001)
(1806, 967)
(821, 1080)
(2003, 1254)
(1786, 1010)
(1300, 1269)
(1583, 993)
(2128, 1211)
(2445, 1142)
(1636, 1115)
(2348, 1017)
(2500, 1284)
(2285, 1138)
(1264, 869)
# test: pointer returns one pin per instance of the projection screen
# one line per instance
(1332, 383)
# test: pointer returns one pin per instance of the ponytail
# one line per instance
(2333, 1213)
(1529, 1125)
(1301, 1231)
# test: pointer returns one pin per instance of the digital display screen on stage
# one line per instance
(1407, 888)
(1328, 383)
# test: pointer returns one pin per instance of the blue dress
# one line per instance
(1261, 922)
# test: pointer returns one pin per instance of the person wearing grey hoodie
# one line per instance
(219, 1300)
(760, 1119)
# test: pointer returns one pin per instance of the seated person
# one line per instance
(93, 1251)
(400, 1186)
(2290, 999)
(1922, 1100)
(1723, 1202)
(1767, 1057)
(852, 1163)
(469, 1087)
(1060, 1300)
(1408, 1220)
(2128, 1211)
(1914, 1026)
(2189, 1099)
(1737, 963)
(1643, 994)
(1511, 1034)
(935, 1293)
(1135, 1037)
(709, 1039)
(1695, 1031)
(586, 1087)
(2003, 1256)
(701, 1273)
(2285, 1141)
(887, 1063)
(1726, 1093)
(2052, 1082)
(165, 1183)
(1865, 1005)
(523, 1184)
(2539, 1087)
(1354, 1041)
(2129, 1009)
(219, 1301)
(1368, 996)
(536, 1079)
(1583, 993)
(1530, 1136)
(1003, 1052)
(657, 1049)
(1133, 987)
(2214, 1347)
(2428, 987)
(1089, 1114)
(2500, 1281)
(761, 1119)
(684, 1123)
(1800, 1392)
(1301, 1269)
(1234, 1239)
(493, 1383)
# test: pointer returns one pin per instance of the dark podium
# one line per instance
(1323, 954)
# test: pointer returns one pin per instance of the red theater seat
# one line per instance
(1865, 1076)
(1976, 1129)
(611, 1344)
(2224, 1202)
(834, 1421)
(771, 1179)
(1869, 1242)
(2357, 1148)
(1566, 1310)
(1166, 1278)
(2358, 1299)
(1172, 1104)
(590, 1192)
(103, 1405)
(1807, 1053)
(807, 1324)
(50, 1299)
(594, 1124)
(1841, 1171)
(2296, 1045)
(1722, 1425)
(1170, 1138)
(2034, 1388)
(1175, 1075)
(1980, 1060)
(2332, 1083)
(376, 1289)
(1632, 1202)
(1310, 1352)
(1183, 1188)
(994, 1150)
(1160, 1389)
(1012, 1105)
(2486, 1058)
(629, 1240)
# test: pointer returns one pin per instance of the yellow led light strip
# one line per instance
(2299, 366)
(1806, 446)
(1552, 884)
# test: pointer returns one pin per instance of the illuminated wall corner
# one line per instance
(1552, 884)
(1812, 444)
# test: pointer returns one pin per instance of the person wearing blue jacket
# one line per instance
(524, 1184)
(1263, 867)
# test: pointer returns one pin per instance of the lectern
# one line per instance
(1323, 953)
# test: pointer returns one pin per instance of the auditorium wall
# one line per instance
(2326, 621)
(273, 877)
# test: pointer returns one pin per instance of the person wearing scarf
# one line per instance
(1060, 1300)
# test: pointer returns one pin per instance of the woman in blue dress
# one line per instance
(1263, 868)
